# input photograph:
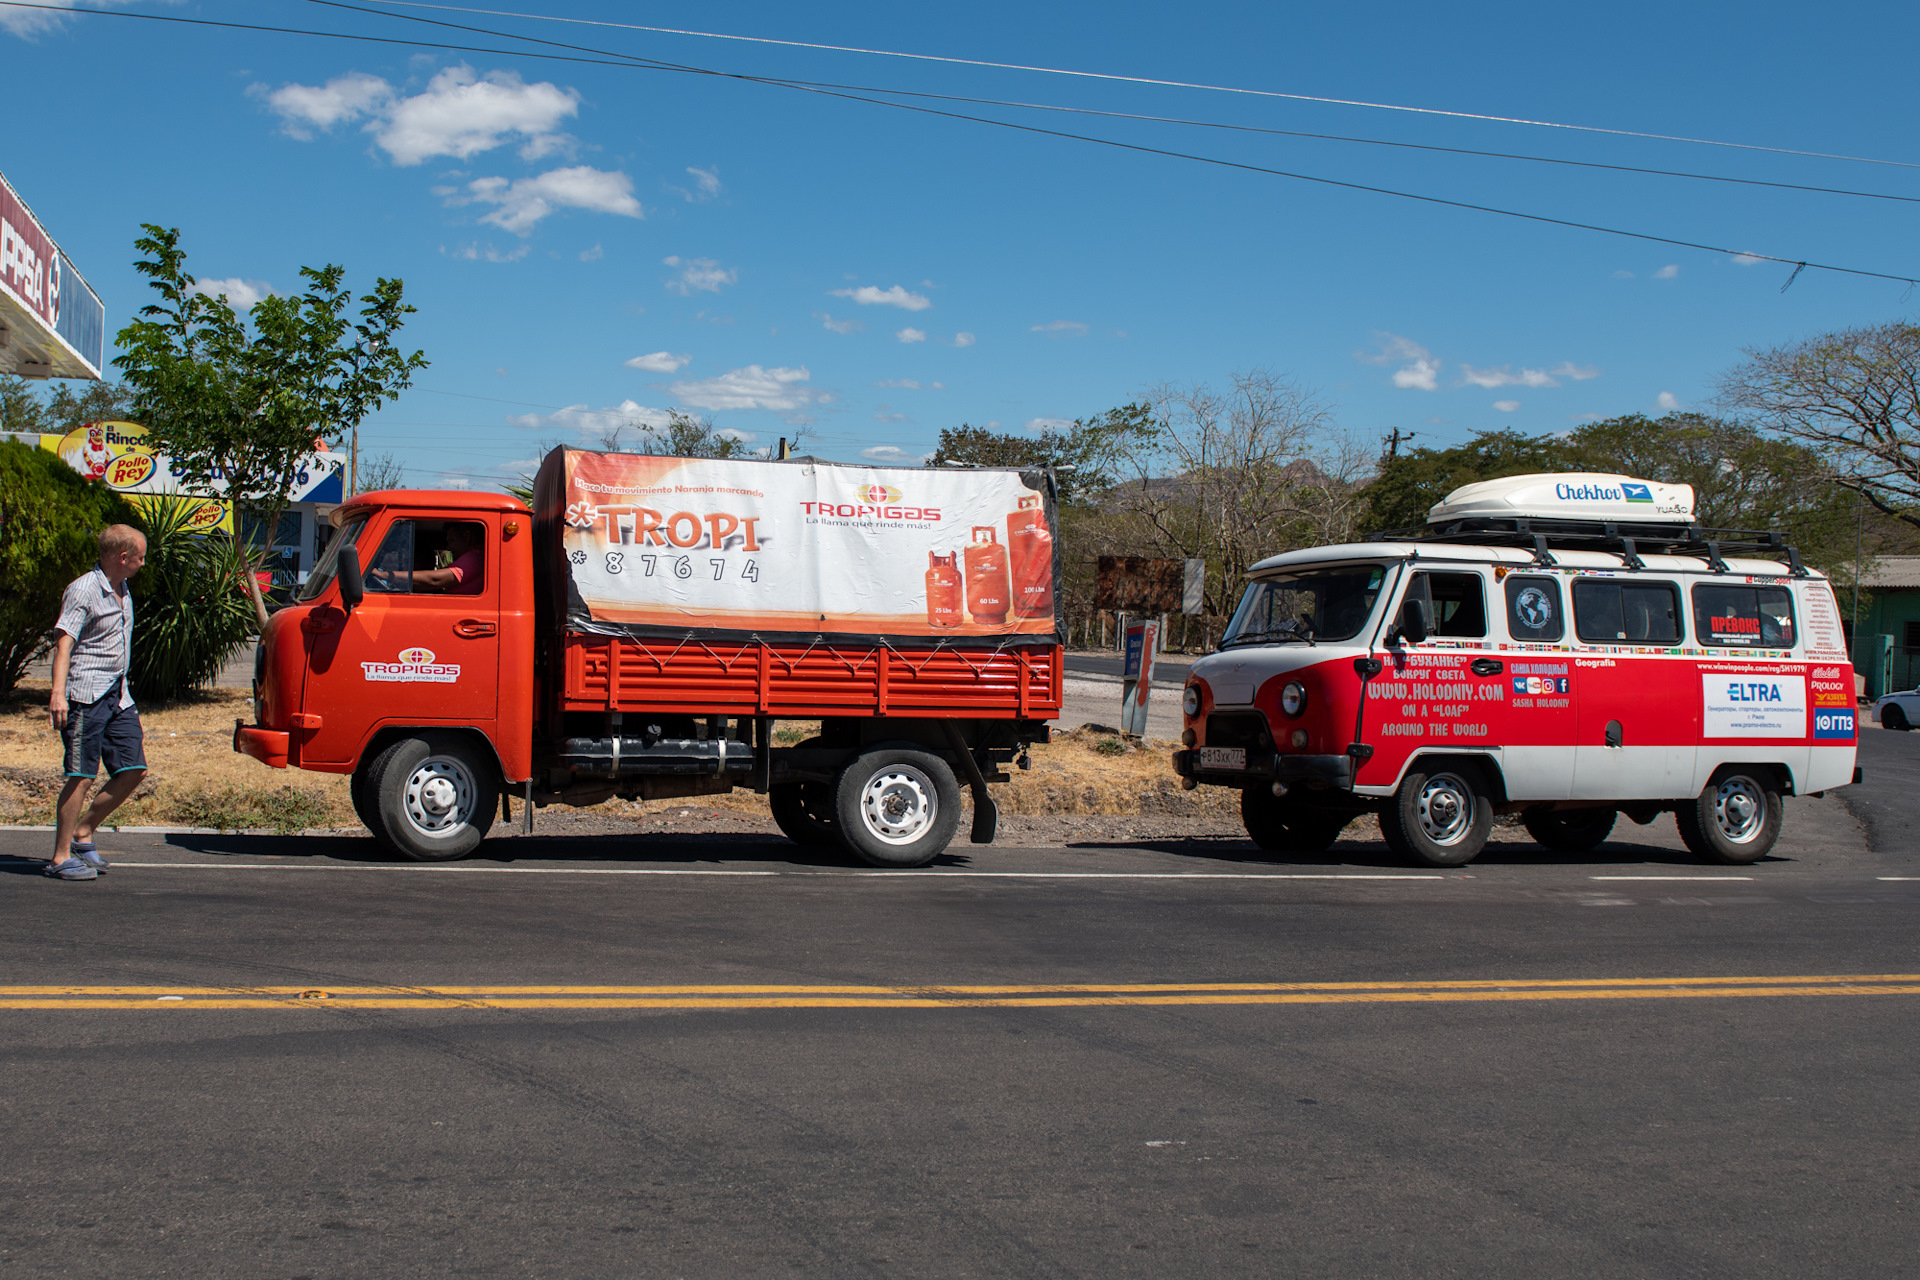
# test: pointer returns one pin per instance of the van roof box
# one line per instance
(1589, 512)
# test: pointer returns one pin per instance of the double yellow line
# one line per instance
(996, 996)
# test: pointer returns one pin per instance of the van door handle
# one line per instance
(1486, 667)
(473, 628)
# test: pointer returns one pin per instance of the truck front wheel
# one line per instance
(434, 796)
(897, 806)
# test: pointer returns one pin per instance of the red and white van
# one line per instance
(1564, 647)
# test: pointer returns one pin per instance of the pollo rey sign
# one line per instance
(798, 548)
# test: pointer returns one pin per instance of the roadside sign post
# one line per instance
(1136, 676)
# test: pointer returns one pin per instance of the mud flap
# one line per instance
(986, 816)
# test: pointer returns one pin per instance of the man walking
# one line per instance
(92, 704)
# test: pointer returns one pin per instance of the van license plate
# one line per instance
(1223, 757)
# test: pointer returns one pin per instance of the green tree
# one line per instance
(20, 409)
(1090, 449)
(238, 406)
(1409, 483)
(192, 610)
(49, 516)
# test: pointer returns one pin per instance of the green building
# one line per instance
(1886, 643)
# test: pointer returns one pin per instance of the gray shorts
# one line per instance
(102, 731)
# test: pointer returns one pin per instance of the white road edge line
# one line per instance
(843, 875)
(1663, 878)
(1897, 877)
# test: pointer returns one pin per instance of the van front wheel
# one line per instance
(1440, 818)
(1733, 822)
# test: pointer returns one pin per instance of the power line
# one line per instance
(1145, 80)
(632, 61)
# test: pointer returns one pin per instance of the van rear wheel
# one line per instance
(1570, 830)
(1734, 821)
(435, 796)
(1440, 817)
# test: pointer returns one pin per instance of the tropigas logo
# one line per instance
(416, 665)
(880, 495)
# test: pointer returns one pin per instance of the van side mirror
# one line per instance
(1416, 624)
(353, 589)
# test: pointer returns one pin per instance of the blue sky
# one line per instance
(582, 238)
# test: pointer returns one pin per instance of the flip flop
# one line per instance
(84, 850)
(71, 869)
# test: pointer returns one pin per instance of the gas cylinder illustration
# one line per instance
(986, 577)
(943, 590)
(1030, 543)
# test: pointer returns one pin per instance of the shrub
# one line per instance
(191, 609)
(49, 518)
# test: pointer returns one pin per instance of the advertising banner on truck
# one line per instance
(673, 545)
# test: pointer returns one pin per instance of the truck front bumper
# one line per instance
(268, 746)
(1268, 767)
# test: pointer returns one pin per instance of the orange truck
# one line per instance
(642, 631)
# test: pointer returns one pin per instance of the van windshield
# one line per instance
(1306, 607)
(323, 573)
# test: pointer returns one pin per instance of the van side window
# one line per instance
(1457, 602)
(1533, 609)
(1616, 611)
(1753, 617)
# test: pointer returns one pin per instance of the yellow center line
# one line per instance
(1035, 995)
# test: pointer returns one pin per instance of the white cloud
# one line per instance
(753, 387)
(1747, 259)
(241, 294)
(1504, 376)
(698, 275)
(592, 255)
(869, 296)
(963, 339)
(1048, 424)
(1667, 272)
(1061, 328)
(1575, 372)
(910, 384)
(525, 201)
(659, 362)
(591, 424)
(838, 326)
(1419, 369)
(1667, 402)
(1507, 406)
(706, 185)
(1623, 275)
(891, 418)
(474, 253)
(893, 454)
(912, 335)
(460, 113)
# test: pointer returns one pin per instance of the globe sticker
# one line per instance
(1534, 608)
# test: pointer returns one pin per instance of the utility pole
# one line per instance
(1395, 440)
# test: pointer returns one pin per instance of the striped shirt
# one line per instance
(100, 620)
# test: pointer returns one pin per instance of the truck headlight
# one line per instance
(1293, 698)
(1190, 700)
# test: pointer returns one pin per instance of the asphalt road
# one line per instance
(1887, 799)
(703, 1057)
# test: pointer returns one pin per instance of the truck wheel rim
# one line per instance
(1740, 810)
(898, 804)
(439, 796)
(1446, 809)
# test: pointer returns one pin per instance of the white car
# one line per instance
(1897, 710)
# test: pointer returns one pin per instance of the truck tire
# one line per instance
(804, 812)
(1441, 815)
(435, 796)
(896, 805)
(364, 788)
(1570, 830)
(1734, 821)
(1280, 827)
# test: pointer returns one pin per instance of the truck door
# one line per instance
(1637, 712)
(422, 648)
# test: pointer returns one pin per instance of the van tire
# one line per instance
(1734, 821)
(1280, 827)
(1441, 816)
(1570, 830)
(896, 805)
(435, 796)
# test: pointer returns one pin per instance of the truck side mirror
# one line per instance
(1415, 622)
(353, 589)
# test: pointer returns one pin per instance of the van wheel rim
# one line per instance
(898, 804)
(440, 795)
(1446, 809)
(1740, 810)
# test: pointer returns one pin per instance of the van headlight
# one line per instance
(1190, 700)
(1293, 698)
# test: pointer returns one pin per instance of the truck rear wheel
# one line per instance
(1439, 817)
(897, 805)
(1734, 821)
(434, 796)
(1570, 830)
(804, 812)
(1281, 827)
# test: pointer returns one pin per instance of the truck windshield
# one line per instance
(322, 574)
(1307, 607)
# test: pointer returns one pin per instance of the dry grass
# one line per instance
(196, 779)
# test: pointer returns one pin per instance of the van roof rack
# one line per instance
(1626, 538)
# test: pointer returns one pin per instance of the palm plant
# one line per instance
(192, 610)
